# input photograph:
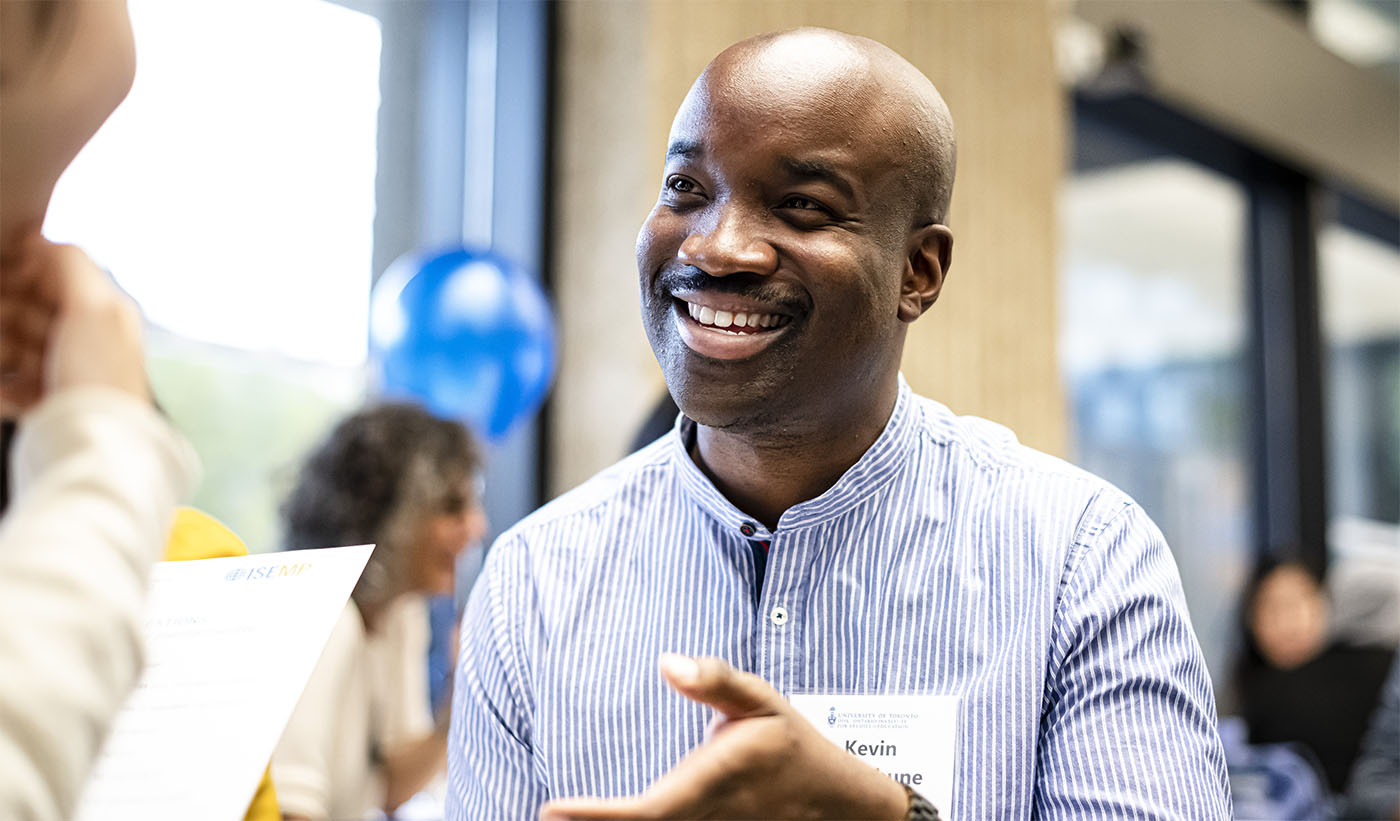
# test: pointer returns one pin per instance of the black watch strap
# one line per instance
(919, 807)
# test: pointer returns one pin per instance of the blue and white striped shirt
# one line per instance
(949, 560)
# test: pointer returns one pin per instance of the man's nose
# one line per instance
(732, 245)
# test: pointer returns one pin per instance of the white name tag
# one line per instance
(912, 739)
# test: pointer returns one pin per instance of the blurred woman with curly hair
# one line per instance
(362, 738)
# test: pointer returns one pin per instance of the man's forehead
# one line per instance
(806, 57)
(808, 161)
(809, 134)
(783, 80)
(823, 83)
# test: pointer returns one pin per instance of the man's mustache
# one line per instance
(755, 287)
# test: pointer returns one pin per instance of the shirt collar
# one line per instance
(880, 462)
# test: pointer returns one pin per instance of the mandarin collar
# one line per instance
(877, 466)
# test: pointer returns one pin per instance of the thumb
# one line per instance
(708, 680)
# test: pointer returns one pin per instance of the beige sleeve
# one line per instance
(321, 734)
(98, 474)
(407, 716)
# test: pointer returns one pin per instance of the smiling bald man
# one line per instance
(978, 617)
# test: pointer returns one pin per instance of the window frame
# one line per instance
(444, 66)
(1283, 348)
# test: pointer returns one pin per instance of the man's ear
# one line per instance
(930, 255)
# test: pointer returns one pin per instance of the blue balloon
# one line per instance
(465, 333)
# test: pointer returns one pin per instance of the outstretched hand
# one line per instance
(760, 759)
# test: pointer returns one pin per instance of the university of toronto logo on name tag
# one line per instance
(910, 738)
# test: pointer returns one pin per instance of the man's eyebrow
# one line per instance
(683, 149)
(810, 169)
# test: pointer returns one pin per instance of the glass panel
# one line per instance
(1360, 289)
(1152, 349)
(1359, 278)
(232, 195)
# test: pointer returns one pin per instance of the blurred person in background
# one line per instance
(363, 738)
(96, 471)
(1295, 682)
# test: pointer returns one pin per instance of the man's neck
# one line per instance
(763, 473)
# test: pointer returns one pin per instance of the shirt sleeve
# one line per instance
(307, 760)
(1128, 726)
(98, 475)
(491, 770)
(403, 670)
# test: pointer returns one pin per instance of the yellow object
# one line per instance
(197, 535)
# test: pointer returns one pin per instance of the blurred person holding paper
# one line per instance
(96, 471)
(363, 738)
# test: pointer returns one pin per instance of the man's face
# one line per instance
(772, 262)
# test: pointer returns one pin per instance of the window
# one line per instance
(233, 196)
(1359, 277)
(1153, 348)
(1360, 296)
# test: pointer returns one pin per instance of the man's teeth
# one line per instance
(728, 319)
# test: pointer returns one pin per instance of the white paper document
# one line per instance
(911, 738)
(230, 645)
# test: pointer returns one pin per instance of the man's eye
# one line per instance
(680, 185)
(803, 203)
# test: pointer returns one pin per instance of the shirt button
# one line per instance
(779, 616)
(747, 529)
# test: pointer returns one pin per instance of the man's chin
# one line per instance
(730, 394)
(729, 407)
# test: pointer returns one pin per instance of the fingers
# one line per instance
(27, 302)
(19, 272)
(21, 387)
(713, 726)
(24, 320)
(676, 794)
(711, 777)
(692, 783)
(98, 335)
(19, 361)
(64, 323)
(713, 681)
(27, 308)
(79, 282)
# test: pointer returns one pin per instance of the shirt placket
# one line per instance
(780, 617)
